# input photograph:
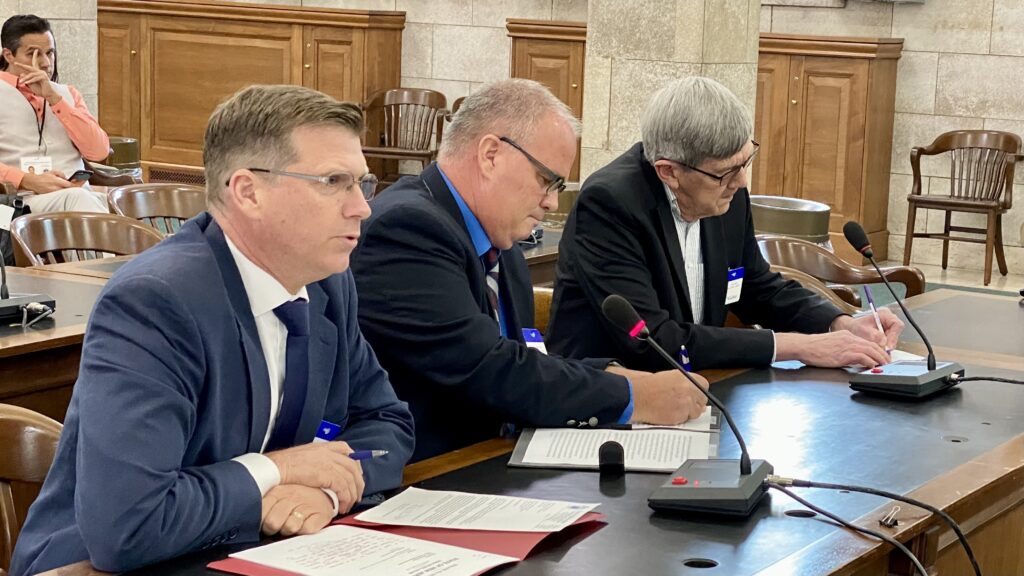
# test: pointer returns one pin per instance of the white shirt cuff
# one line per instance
(263, 471)
(774, 349)
(334, 499)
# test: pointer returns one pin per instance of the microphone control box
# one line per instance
(907, 379)
(712, 487)
(11, 308)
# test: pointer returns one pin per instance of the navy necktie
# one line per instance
(295, 317)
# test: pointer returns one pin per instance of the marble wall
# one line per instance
(633, 48)
(74, 29)
(962, 67)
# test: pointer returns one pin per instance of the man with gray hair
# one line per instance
(667, 226)
(213, 360)
(446, 294)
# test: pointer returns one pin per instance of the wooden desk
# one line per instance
(39, 365)
(102, 268)
(808, 424)
(542, 259)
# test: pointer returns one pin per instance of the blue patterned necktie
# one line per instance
(491, 266)
(295, 317)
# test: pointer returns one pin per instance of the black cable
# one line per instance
(912, 501)
(990, 379)
(889, 539)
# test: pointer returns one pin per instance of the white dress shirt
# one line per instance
(265, 293)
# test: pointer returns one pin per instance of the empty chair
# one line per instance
(163, 206)
(406, 124)
(28, 443)
(980, 181)
(57, 237)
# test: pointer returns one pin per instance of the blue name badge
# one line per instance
(327, 431)
(734, 286)
(534, 339)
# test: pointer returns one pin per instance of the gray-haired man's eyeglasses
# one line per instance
(726, 179)
(334, 182)
(554, 183)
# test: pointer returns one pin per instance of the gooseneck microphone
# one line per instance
(708, 486)
(906, 378)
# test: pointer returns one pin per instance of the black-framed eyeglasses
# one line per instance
(554, 184)
(726, 179)
(334, 182)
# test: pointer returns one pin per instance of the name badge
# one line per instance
(6, 215)
(534, 340)
(36, 164)
(735, 285)
(327, 431)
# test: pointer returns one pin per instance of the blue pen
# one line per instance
(874, 312)
(367, 454)
(684, 359)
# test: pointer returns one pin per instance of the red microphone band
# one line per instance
(865, 249)
(637, 329)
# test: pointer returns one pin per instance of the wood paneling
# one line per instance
(835, 109)
(552, 53)
(190, 55)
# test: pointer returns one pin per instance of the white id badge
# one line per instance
(735, 286)
(6, 214)
(36, 164)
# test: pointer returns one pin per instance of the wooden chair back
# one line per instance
(455, 108)
(55, 237)
(413, 118)
(981, 165)
(28, 443)
(542, 307)
(817, 286)
(163, 206)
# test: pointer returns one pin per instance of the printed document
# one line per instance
(460, 510)
(644, 450)
(343, 549)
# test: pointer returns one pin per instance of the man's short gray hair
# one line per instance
(693, 119)
(512, 108)
(253, 129)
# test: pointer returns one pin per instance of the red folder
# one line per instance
(515, 544)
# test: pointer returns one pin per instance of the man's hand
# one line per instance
(44, 183)
(865, 327)
(666, 398)
(322, 465)
(831, 350)
(290, 509)
(38, 81)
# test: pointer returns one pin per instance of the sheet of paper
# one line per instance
(347, 550)
(896, 355)
(651, 450)
(464, 511)
(700, 424)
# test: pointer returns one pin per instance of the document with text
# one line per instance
(644, 450)
(342, 549)
(461, 510)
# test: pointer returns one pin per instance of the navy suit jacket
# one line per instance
(425, 310)
(621, 238)
(173, 384)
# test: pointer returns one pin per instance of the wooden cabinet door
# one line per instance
(558, 65)
(190, 65)
(333, 61)
(825, 134)
(118, 37)
(771, 110)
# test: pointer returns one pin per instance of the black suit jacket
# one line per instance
(621, 239)
(424, 308)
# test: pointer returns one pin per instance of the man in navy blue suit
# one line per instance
(211, 360)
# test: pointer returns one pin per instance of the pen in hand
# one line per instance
(874, 312)
(367, 454)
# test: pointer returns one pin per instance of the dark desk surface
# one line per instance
(546, 249)
(75, 298)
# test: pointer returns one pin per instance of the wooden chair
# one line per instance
(28, 443)
(455, 108)
(542, 307)
(411, 121)
(981, 182)
(101, 176)
(163, 206)
(832, 270)
(818, 287)
(55, 237)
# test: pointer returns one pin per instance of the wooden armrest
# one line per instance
(847, 294)
(82, 568)
(909, 276)
(7, 188)
(108, 176)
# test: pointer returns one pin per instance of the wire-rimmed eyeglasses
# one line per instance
(554, 184)
(334, 182)
(725, 179)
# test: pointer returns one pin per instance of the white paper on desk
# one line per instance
(344, 549)
(650, 450)
(896, 355)
(464, 511)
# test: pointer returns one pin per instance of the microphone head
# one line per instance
(611, 458)
(857, 238)
(623, 316)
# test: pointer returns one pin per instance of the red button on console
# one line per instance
(679, 480)
(876, 370)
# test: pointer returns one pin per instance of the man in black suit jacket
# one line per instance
(453, 348)
(667, 225)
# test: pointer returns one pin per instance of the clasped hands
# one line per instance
(299, 505)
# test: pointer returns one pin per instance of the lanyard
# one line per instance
(40, 122)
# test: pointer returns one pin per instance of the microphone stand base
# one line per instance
(910, 379)
(713, 487)
(11, 308)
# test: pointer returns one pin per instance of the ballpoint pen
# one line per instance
(367, 454)
(874, 312)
